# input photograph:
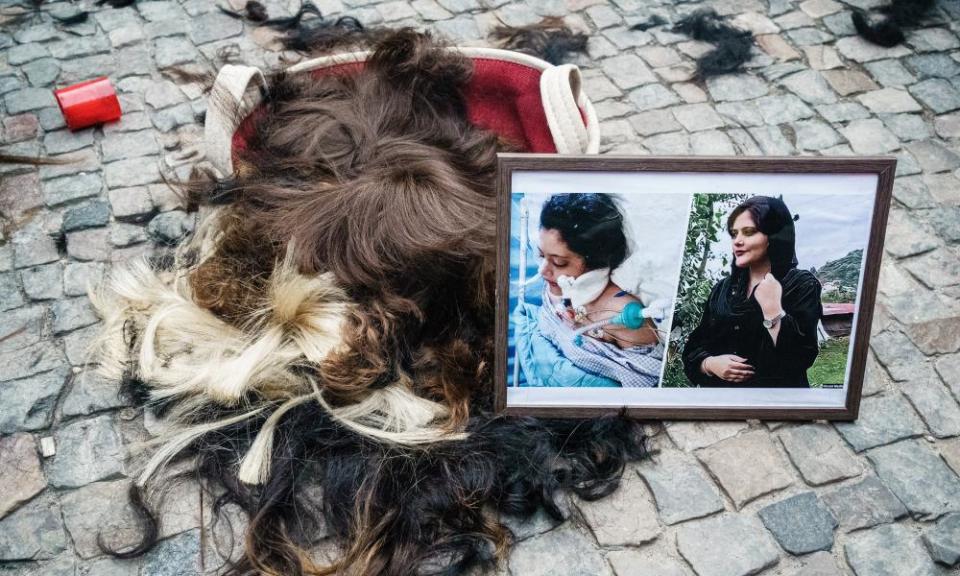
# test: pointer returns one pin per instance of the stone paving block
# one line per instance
(889, 101)
(734, 87)
(43, 282)
(747, 547)
(90, 393)
(933, 322)
(934, 157)
(625, 518)
(863, 505)
(28, 100)
(631, 562)
(89, 214)
(72, 313)
(652, 96)
(755, 22)
(87, 451)
(843, 111)
(216, 26)
(10, 294)
(132, 172)
(690, 93)
(939, 268)
(740, 113)
(106, 566)
(943, 540)
(815, 135)
(100, 510)
(627, 71)
(882, 420)
(712, 143)
(668, 144)
(19, 128)
(907, 126)
(792, 20)
(933, 40)
(123, 235)
(569, 553)
(21, 328)
(682, 489)
(859, 50)
(34, 532)
(933, 66)
(819, 564)
(809, 36)
(801, 523)
(819, 454)
(169, 52)
(906, 237)
(870, 137)
(42, 72)
(20, 472)
(772, 141)
(43, 357)
(129, 145)
(918, 477)
(20, 55)
(947, 125)
(845, 82)
(79, 277)
(76, 344)
(178, 556)
(937, 94)
(777, 47)
(747, 466)
(133, 204)
(689, 436)
(654, 122)
(61, 190)
(890, 73)
(696, 117)
(784, 108)
(891, 550)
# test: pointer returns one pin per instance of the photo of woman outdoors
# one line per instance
(760, 323)
(586, 319)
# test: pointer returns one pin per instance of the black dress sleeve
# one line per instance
(797, 345)
(696, 348)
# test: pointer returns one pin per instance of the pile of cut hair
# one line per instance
(330, 325)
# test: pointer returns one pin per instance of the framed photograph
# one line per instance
(694, 287)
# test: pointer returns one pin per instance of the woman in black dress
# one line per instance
(759, 325)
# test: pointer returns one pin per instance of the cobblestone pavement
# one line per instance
(877, 497)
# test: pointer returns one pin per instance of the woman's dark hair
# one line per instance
(772, 217)
(590, 224)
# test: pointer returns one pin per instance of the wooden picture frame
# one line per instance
(523, 332)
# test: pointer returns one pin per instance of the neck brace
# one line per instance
(585, 288)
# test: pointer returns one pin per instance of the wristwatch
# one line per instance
(768, 324)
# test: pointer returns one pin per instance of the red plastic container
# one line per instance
(88, 103)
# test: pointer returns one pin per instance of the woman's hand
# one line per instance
(768, 295)
(728, 367)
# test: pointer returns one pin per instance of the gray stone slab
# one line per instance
(890, 73)
(28, 99)
(858, 49)
(34, 532)
(891, 550)
(870, 137)
(843, 112)
(43, 72)
(654, 122)
(937, 94)
(106, 566)
(173, 51)
(943, 540)
(79, 277)
(819, 454)
(77, 47)
(747, 547)
(801, 523)
(625, 518)
(72, 313)
(734, 87)
(28, 400)
(810, 86)
(89, 214)
(177, 556)
(43, 282)
(712, 143)
(20, 55)
(20, 471)
(934, 156)
(689, 436)
(819, 564)
(782, 109)
(568, 551)
(645, 562)
(87, 451)
(100, 511)
(747, 466)
(652, 96)
(815, 135)
(681, 488)
(87, 245)
(890, 101)
(697, 117)
(91, 393)
(933, 66)
(10, 294)
(882, 420)
(918, 477)
(627, 71)
(39, 358)
(907, 127)
(132, 172)
(935, 404)
(21, 328)
(125, 145)
(170, 227)
(214, 26)
(66, 189)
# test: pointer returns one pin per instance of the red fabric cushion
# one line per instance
(503, 97)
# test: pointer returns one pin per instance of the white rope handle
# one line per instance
(235, 93)
(563, 100)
